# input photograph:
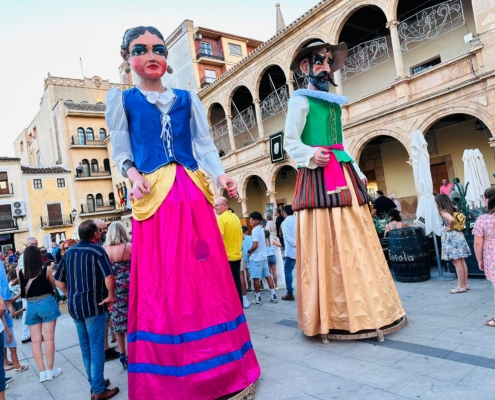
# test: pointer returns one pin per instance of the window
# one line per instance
(94, 165)
(206, 48)
(90, 200)
(85, 165)
(21, 145)
(235, 49)
(54, 212)
(103, 134)
(106, 164)
(426, 65)
(37, 184)
(35, 133)
(6, 221)
(111, 199)
(90, 134)
(60, 182)
(81, 137)
(38, 157)
(4, 183)
(99, 200)
(210, 75)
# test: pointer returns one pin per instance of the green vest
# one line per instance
(323, 118)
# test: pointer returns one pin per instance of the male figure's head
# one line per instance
(393, 196)
(245, 231)
(255, 219)
(221, 205)
(288, 211)
(276, 212)
(89, 231)
(31, 241)
(379, 193)
(103, 228)
(445, 182)
(54, 245)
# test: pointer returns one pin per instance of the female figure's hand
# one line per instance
(141, 185)
(229, 184)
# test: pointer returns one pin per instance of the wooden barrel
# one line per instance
(409, 254)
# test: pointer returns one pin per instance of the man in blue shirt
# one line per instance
(86, 278)
(289, 234)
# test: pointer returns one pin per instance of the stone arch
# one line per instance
(275, 168)
(346, 13)
(472, 110)
(232, 93)
(357, 146)
(261, 72)
(244, 180)
(392, 9)
(209, 109)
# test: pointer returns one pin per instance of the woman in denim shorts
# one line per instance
(37, 285)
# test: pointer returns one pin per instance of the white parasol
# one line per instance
(47, 242)
(427, 212)
(62, 237)
(476, 174)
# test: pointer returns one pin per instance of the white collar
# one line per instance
(154, 97)
(318, 94)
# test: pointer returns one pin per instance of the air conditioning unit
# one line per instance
(18, 209)
(198, 36)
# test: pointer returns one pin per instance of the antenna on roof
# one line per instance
(82, 72)
(280, 19)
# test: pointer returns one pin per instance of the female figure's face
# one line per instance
(147, 56)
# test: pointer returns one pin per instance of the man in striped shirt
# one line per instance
(86, 278)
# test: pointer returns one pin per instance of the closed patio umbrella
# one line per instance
(47, 242)
(427, 212)
(476, 174)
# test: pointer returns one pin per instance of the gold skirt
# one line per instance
(343, 279)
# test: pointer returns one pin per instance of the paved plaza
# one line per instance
(445, 353)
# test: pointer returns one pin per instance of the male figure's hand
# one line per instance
(321, 157)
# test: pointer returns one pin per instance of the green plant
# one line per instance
(462, 205)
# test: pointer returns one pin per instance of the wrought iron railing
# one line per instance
(300, 81)
(220, 135)
(206, 80)
(8, 223)
(243, 121)
(429, 24)
(62, 220)
(82, 141)
(274, 103)
(94, 208)
(364, 56)
(207, 53)
(91, 172)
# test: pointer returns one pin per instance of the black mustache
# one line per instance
(320, 76)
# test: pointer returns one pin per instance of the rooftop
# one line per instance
(56, 169)
(85, 107)
(216, 33)
(9, 159)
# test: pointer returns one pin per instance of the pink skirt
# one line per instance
(188, 336)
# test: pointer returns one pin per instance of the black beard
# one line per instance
(321, 80)
(103, 237)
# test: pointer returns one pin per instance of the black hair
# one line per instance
(134, 33)
(490, 195)
(380, 192)
(288, 210)
(231, 210)
(394, 215)
(87, 229)
(33, 262)
(245, 229)
(256, 215)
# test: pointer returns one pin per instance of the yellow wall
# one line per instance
(398, 174)
(38, 198)
(232, 58)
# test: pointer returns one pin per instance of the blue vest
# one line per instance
(159, 139)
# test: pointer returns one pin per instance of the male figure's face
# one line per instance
(444, 182)
(103, 229)
(32, 242)
(317, 68)
(220, 207)
(254, 222)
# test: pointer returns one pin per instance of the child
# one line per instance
(271, 242)
(454, 245)
(258, 259)
(9, 342)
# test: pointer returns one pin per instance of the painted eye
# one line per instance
(318, 62)
(138, 51)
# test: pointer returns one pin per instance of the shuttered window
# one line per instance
(6, 216)
(4, 183)
(54, 214)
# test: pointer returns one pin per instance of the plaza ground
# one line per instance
(445, 353)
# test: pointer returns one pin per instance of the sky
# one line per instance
(50, 36)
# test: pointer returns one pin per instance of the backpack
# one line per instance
(459, 221)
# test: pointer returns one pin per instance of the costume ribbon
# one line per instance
(333, 173)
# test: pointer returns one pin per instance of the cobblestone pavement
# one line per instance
(445, 353)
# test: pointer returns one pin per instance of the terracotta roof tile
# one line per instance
(56, 169)
(4, 159)
(85, 107)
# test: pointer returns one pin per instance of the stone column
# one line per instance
(273, 199)
(244, 208)
(290, 84)
(394, 35)
(257, 107)
(231, 133)
(337, 75)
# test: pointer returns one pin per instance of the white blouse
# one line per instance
(294, 126)
(205, 151)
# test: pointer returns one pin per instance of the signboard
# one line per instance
(277, 153)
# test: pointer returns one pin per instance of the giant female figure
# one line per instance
(187, 339)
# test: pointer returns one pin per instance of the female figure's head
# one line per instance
(444, 204)
(267, 237)
(394, 215)
(490, 200)
(33, 262)
(269, 217)
(67, 245)
(117, 234)
(143, 48)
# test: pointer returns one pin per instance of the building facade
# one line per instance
(428, 66)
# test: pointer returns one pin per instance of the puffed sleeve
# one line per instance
(294, 126)
(204, 148)
(116, 120)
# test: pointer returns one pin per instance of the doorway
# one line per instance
(438, 172)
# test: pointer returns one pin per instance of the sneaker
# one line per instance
(257, 301)
(43, 377)
(249, 290)
(52, 374)
(276, 288)
(246, 303)
(274, 299)
(9, 379)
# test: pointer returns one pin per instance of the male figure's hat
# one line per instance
(339, 54)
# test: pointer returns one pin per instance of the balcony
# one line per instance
(5, 191)
(87, 174)
(8, 224)
(214, 56)
(98, 209)
(54, 222)
(82, 141)
(206, 80)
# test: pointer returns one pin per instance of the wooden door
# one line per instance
(54, 214)
(438, 173)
